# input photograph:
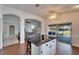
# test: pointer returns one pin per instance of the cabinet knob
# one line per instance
(50, 46)
(52, 41)
(41, 51)
(46, 44)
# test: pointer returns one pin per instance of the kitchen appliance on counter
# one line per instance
(52, 34)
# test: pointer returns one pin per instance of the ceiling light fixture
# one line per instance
(52, 15)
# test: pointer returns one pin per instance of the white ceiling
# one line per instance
(43, 9)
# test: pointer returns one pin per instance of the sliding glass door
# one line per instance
(63, 32)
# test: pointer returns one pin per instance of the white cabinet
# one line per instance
(53, 47)
(35, 50)
(44, 49)
(48, 48)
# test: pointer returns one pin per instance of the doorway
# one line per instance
(11, 28)
(32, 30)
(32, 25)
(65, 33)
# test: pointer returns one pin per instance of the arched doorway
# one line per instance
(11, 28)
(32, 25)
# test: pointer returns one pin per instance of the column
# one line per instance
(43, 28)
(1, 28)
(22, 32)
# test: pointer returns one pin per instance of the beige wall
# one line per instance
(70, 17)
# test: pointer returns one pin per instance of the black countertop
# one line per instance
(40, 42)
(36, 39)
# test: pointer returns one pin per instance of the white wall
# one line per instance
(22, 15)
(0, 35)
(70, 17)
(1, 26)
(25, 15)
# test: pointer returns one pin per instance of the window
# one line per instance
(12, 30)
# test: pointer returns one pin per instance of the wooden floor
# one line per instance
(20, 49)
(16, 49)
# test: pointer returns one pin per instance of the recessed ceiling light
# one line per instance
(77, 6)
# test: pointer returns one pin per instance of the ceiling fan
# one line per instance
(37, 5)
(52, 13)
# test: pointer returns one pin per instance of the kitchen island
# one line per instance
(38, 45)
(47, 46)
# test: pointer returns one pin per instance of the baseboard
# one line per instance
(0, 48)
(75, 46)
(10, 44)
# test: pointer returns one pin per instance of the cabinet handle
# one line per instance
(41, 51)
(46, 44)
(50, 46)
(52, 41)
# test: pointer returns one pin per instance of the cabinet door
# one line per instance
(53, 47)
(48, 48)
(45, 50)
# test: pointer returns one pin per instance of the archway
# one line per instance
(11, 28)
(33, 28)
(32, 25)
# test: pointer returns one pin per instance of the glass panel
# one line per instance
(62, 31)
